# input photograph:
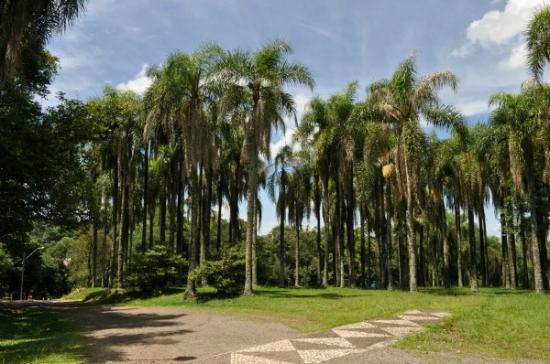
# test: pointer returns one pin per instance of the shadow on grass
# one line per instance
(31, 335)
(36, 331)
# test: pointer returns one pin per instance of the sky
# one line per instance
(481, 41)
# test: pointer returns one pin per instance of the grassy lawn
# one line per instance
(29, 335)
(494, 322)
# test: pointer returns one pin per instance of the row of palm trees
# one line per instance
(201, 136)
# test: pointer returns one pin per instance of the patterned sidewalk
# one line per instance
(337, 343)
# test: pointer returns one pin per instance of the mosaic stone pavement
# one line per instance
(336, 343)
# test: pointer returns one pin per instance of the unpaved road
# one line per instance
(163, 335)
(171, 335)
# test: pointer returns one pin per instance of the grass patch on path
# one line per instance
(493, 323)
(32, 335)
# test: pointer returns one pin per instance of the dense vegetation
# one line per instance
(126, 190)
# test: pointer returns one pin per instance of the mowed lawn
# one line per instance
(493, 323)
(30, 335)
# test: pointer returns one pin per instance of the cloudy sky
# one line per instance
(481, 41)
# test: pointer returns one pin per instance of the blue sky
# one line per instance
(480, 41)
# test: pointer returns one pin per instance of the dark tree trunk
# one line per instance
(525, 251)
(458, 232)
(482, 262)
(363, 261)
(145, 198)
(282, 212)
(219, 219)
(486, 247)
(350, 230)
(114, 252)
(162, 217)
(326, 221)
(472, 242)
(180, 238)
(93, 270)
(421, 257)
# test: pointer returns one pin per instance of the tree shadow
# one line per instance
(111, 332)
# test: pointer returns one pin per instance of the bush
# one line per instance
(225, 274)
(155, 271)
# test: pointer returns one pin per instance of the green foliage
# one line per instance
(225, 274)
(155, 271)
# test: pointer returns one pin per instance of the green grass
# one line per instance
(493, 323)
(30, 335)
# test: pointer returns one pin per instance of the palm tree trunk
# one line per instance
(350, 229)
(124, 232)
(115, 222)
(326, 222)
(180, 238)
(486, 246)
(504, 251)
(190, 290)
(94, 254)
(481, 249)
(538, 241)
(458, 232)
(202, 237)
(145, 197)
(362, 229)
(297, 257)
(162, 218)
(317, 205)
(525, 252)
(282, 278)
(368, 257)
(254, 242)
(219, 219)
(421, 257)
(511, 250)
(251, 199)
(390, 237)
(472, 241)
(410, 229)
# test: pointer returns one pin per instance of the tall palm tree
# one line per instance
(279, 179)
(404, 99)
(538, 42)
(522, 121)
(260, 78)
(182, 89)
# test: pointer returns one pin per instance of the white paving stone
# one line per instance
(329, 341)
(237, 358)
(400, 322)
(358, 325)
(319, 356)
(283, 345)
(348, 333)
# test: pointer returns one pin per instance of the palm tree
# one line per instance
(521, 120)
(404, 99)
(279, 178)
(26, 27)
(299, 205)
(538, 42)
(260, 79)
(182, 89)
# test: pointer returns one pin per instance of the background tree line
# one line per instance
(121, 184)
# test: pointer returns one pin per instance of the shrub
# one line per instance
(225, 274)
(155, 271)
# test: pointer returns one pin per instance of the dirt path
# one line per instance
(164, 335)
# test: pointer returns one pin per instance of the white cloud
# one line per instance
(139, 84)
(499, 28)
(473, 107)
(517, 58)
